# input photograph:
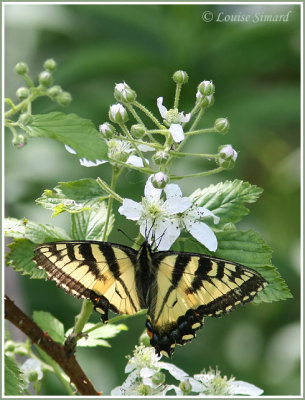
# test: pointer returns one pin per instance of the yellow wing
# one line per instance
(99, 271)
(191, 286)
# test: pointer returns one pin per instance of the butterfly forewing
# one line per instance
(99, 271)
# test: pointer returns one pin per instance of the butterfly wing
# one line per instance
(191, 286)
(99, 271)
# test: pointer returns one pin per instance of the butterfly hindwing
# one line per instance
(191, 286)
(99, 271)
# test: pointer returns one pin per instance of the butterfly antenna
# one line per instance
(125, 234)
(159, 240)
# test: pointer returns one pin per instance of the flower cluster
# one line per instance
(127, 145)
(147, 377)
(161, 221)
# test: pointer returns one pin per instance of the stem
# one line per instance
(124, 128)
(177, 95)
(57, 371)
(115, 319)
(196, 175)
(205, 130)
(110, 202)
(82, 318)
(148, 113)
(148, 171)
(11, 104)
(154, 144)
(108, 189)
(21, 105)
(180, 154)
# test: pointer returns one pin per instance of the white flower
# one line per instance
(145, 375)
(117, 150)
(156, 216)
(161, 220)
(213, 384)
(174, 119)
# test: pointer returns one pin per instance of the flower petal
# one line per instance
(131, 209)
(69, 149)
(87, 163)
(185, 118)
(202, 232)
(145, 147)
(135, 161)
(172, 190)
(176, 372)
(162, 108)
(166, 233)
(173, 387)
(176, 131)
(240, 387)
(152, 193)
(147, 372)
(201, 212)
(177, 205)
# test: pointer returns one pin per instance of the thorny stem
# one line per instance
(196, 175)
(177, 95)
(148, 113)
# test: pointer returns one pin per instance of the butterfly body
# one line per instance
(178, 289)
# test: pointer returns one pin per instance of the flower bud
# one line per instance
(227, 156)
(159, 180)
(33, 376)
(22, 93)
(222, 125)
(144, 339)
(185, 386)
(54, 91)
(21, 68)
(45, 78)
(138, 130)
(160, 157)
(10, 346)
(25, 119)
(123, 93)
(107, 130)
(143, 390)
(158, 378)
(19, 141)
(50, 65)
(64, 99)
(180, 77)
(207, 101)
(118, 114)
(206, 88)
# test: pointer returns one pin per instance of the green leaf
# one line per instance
(89, 224)
(97, 336)
(50, 324)
(13, 378)
(72, 197)
(226, 200)
(78, 133)
(20, 257)
(36, 233)
(249, 249)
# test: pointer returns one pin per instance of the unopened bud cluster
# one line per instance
(171, 127)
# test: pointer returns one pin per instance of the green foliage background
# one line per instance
(255, 68)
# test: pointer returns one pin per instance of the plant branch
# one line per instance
(55, 350)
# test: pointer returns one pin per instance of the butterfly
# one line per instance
(178, 289)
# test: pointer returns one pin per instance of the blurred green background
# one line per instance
(255, 68)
